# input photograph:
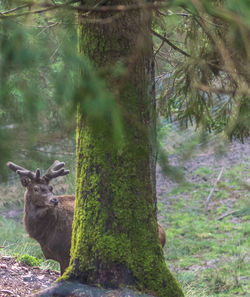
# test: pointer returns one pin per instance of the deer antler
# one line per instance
(55, 170)
(14, 167)
(22, 172)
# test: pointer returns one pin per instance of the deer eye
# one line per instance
(50, 188)
(36, 188)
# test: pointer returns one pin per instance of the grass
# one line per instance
(14, 241)
(209, 257)
(29, 260)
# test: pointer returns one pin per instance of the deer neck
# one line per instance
(38, 220)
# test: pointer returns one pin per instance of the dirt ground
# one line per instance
(19, 280)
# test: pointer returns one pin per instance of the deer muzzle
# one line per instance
(54, 201)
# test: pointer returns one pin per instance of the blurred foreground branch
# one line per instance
(44, 7)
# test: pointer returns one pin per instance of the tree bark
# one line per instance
(115, 240)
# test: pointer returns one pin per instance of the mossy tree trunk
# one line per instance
(115, 236)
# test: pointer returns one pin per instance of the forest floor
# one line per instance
(208, 254)
(19, 279)
(208, 244)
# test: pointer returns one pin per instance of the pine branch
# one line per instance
(170, 43)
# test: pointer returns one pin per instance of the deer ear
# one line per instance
(25, 181)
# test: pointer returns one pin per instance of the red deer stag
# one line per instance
(48, 218)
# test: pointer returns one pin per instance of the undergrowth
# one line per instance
(14, 241)
(209, 254)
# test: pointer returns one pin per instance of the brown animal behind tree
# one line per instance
(48, 218)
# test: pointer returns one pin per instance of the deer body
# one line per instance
(51, 226)
(48, 218)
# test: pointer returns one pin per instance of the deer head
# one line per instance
(38, 190)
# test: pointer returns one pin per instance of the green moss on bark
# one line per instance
(115, 235)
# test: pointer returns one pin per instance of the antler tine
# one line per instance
(27, 173)
(14, 167)
(38, 173)
(54, 171)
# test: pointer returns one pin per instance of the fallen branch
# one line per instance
(214, 187)
(226, 215)
(7, 292)
(237, 213)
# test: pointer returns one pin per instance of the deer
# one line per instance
(48, 218)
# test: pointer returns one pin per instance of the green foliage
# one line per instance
(203, 171)
(210, 86)
(15, 242)
(43, 79)
(29, 260)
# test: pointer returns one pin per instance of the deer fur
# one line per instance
(48, 218)
(50, 223)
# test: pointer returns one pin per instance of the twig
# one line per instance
(41, 27)
(46, 7)
(14, 9)
(113, 8)
(226, 215)
(7, 292)
(54, 53)
(170, 43)
(214, 187)
(209, 89)
(237, 213)
(44, 28)
(161, 45)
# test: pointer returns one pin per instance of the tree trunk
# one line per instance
(115, 235)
